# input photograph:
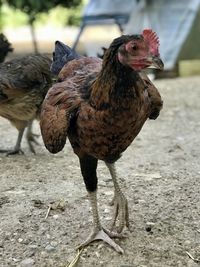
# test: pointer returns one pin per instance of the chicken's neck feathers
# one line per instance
(114, 82)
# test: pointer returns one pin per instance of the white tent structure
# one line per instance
(171, 19)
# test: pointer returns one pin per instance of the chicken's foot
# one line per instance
(120, 203)
(99, 233)
(104, 235)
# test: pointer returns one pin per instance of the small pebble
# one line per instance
(106, 210)
(108, 218)
(108, 193)
(54, 243)
(97, 254)
(48, 236)
(27, 262)
(49, 248)
(149, 226)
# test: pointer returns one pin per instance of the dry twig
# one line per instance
(75, 259)
(191, 257)
(47, 214)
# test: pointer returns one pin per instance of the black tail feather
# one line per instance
(62, 54)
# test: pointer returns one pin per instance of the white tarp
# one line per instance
(171, 19)
(108, 7)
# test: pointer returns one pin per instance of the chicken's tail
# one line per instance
(62, 54)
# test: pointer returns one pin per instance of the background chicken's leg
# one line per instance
(30, 136)
(119, 201)
(30, 139)
(17, 148)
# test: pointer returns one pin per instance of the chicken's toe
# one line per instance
(13, 151)
(104, 235)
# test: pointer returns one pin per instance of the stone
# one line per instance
(49, 248)
(27, 262)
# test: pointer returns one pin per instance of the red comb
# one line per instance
(152, 39)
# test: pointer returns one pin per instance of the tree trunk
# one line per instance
(1, 23)
(32, 28)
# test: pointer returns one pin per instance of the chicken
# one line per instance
(101, 107)
(5, 47)
(24, 82)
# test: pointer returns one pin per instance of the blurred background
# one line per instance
(32, 26)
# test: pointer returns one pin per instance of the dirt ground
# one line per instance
(160, 175)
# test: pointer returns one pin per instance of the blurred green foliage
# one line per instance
(32, 11)
(34, 7)
(15, 13)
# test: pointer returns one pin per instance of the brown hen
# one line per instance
(101, 107)
(24, 82)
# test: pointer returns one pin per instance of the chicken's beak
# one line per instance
(157, 63)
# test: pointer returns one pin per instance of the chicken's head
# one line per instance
(140, 51)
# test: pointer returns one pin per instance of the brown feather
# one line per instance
(154, 96)
(55, 116)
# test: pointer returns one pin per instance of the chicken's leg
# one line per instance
(17, 148)
(119, 201)
(88, 169)
(30, 136)
(100, 233)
